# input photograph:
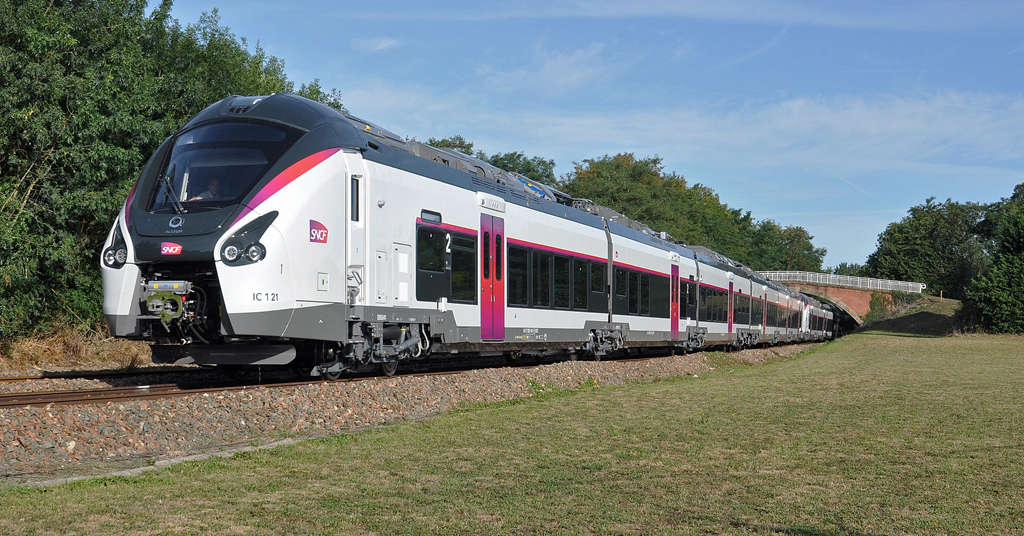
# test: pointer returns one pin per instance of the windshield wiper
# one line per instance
(165, 180)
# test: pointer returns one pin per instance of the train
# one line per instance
(274, 230)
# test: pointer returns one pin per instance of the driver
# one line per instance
(212, 191)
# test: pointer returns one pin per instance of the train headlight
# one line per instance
(234, 254)
(230, 253)
(117, 253)
(255, 252)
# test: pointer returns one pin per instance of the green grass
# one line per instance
(872, 434)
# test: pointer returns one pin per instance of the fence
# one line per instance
(833, 280)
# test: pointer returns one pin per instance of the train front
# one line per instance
(226, 216)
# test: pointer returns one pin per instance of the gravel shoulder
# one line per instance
(38, 444)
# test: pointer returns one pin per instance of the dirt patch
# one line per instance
(72, 349)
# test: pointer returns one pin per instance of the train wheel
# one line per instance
(389, 368)
(333, 376)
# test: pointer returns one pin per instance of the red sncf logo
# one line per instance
(170, 248)
(317, 232)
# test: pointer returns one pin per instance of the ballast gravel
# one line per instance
(37, 443)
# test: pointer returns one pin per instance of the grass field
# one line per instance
(878, 433)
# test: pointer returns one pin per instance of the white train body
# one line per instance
(275, 227)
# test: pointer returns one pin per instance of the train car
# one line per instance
(274, 230)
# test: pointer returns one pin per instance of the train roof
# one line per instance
(354, 132)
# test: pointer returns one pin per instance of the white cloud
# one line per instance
(907, 16)
(553, 71)
(871, 156)
(376, 44)
(946, 133)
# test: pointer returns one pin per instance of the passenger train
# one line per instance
(274, 230)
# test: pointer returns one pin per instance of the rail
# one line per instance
(833, 280)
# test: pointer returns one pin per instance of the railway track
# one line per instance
(167, 390)
(99, 374)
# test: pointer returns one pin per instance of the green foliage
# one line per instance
(453, 142)
(642, 190)
(937, 244)
(87, 92)
(878, 308)
(532, 167)
(848, 268)
(996, 299)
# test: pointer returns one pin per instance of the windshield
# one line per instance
(215, 165)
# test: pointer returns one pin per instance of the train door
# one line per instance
(492, 280)
(730, 306)
(355, 244)
(673, 312)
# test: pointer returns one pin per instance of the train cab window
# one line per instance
(562, 272)
(541, 279)
(580, 272)
(518, 267)
(634, 293)
(463, 268)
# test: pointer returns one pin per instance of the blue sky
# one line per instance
(837, 116)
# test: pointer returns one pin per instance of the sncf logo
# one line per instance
(317, 232)
(170, 248)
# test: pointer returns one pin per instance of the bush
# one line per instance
(87, 92)
(996, 299)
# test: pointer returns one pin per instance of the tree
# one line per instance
(453, 142)
(532, 167)
(996, 298)
(936, 244)
(642, 190)
(87, 92)
(846, 268)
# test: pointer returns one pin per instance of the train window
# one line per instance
(579, 283)
(718, 306)
(433, 280)
(660, 299)
(645, 294)
(562, 271)
(463, 268)
(634, 292)
(354, 201)
(597, 277)
(497, 257)
(541, 279)
(430, 246)
(486, 249)
(216, 164)
(517, 276)
(429, 216)
(621, 282)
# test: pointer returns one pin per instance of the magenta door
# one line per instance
(492, 279)
(730, 306)
(673, 310)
